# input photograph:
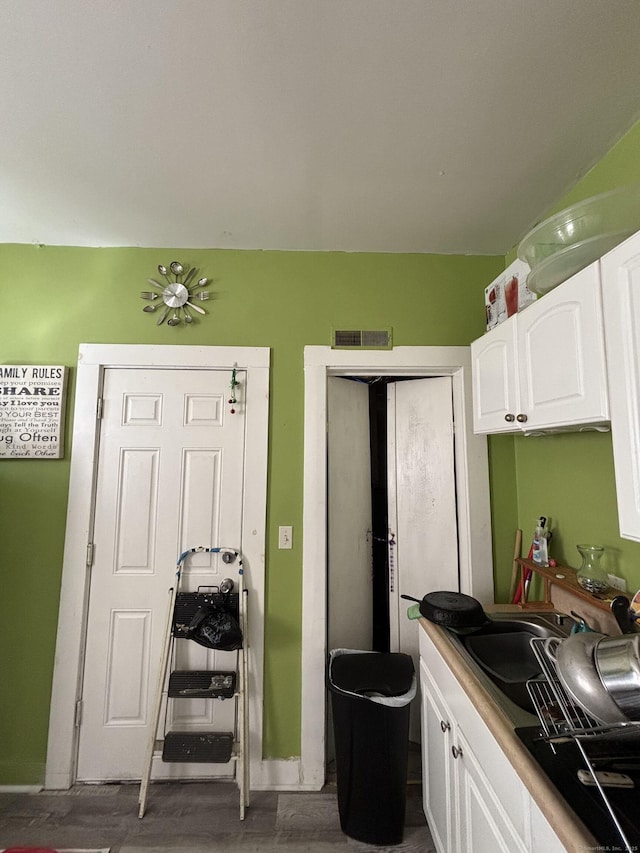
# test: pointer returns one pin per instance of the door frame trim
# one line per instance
(93, 359)
(473, 505)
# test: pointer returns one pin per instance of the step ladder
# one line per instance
(174, 685)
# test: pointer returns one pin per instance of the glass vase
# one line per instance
(591, 575)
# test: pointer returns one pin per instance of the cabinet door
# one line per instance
(493, 365)
(561, 361)
(621, 296)
(543, 838)
(484, 825)
(437, 784)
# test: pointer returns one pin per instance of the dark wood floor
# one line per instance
(191, 817)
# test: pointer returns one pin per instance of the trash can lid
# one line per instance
(384, 673)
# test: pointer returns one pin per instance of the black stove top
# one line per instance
(562, 769)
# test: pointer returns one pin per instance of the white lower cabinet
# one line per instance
(438, 784)
(543, 838)
(474, 801)
(483, 822)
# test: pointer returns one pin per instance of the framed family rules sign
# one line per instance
(32, 408)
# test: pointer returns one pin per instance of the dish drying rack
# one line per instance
(561, 718)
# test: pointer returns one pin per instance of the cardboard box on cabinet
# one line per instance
(507, 294)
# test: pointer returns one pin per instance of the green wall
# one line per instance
(54, 298)
(567, 477)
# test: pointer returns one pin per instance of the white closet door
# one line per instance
(350, 593)
(423, 549)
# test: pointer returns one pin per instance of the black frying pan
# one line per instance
(451, 609)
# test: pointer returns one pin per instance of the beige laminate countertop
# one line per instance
(565, 823)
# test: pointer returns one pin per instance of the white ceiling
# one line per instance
(357, 125)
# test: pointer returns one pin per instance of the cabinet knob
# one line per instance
(510, 418)
(456, 752)
(522, 419)
(445, 727)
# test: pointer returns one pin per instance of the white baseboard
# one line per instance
(268, 775)
(20, 789)
(279, 775)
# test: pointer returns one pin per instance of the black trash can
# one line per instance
(370, 698)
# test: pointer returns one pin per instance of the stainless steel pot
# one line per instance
(575, 662)
(617, 661)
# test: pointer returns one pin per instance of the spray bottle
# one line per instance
(540, 551)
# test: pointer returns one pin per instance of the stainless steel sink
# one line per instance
(502, 651)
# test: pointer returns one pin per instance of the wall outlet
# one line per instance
(617, 583)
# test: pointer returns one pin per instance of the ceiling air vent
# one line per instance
(361, 339)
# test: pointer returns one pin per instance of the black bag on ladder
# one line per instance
(215, 627)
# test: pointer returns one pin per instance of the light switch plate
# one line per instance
(285, 537)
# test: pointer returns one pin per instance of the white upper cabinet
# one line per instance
(544, 369)
(621, 297)
(561, 360)
(496, 400)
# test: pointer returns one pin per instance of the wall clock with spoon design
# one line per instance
(177, 295)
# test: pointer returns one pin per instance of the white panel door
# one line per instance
(350, 591)
(423, 530)
(170, 477)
